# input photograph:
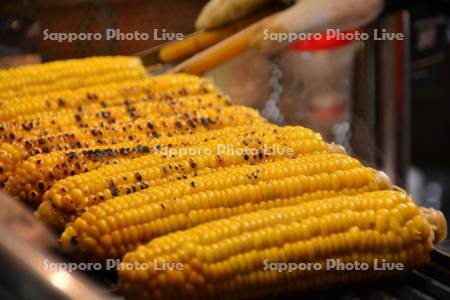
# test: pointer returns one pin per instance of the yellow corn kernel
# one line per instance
(227, 191)
(136, 130)
(250, 145)
(228, 258)
(104, 95)
(39, 172)
(52, 121)
(68, 74)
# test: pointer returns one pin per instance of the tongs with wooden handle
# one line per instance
(174, 52)
(306, 16)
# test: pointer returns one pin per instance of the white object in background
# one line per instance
(424, 193)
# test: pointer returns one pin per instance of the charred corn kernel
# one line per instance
(139, 174)
(10, 155)
(38, 173)
(23, 147)
(226, 192)
(29, 124)
(42, 170)
(137, 130)
(228, 258)
(251, 145)
(104, 95)
(52, 121)
(68, 74)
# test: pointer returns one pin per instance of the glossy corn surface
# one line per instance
(168, 164)
(33, 176)
(139, 130)
(68, 74)
(249, 144)
(226, 259)
(52, 122)
(104, 94)
(167, 170)
(139, 217)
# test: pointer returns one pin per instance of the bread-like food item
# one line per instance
(219, 12)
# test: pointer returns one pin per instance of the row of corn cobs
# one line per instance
(166, 169)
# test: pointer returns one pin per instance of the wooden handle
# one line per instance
(306, 16)
(187, 47)
(201, 40)
(179, 50)
(175, 51)
(220, 52)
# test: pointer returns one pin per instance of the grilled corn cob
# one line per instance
(38, 173)
(106, 94)
(52, 122)
(118, 225)
(10, 155)
(138, 130)
(227, 258)
(68, 74)
(247, 146)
